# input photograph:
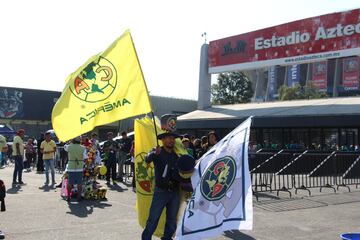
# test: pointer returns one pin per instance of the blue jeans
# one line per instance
(2, 159)
(161, 199)
(50, 164)
(19, 166)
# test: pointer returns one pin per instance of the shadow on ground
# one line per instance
(85, 208)
(237, 235)
(47, 188)
(116, 187)
(14, 189)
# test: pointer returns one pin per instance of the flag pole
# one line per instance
(142, 74)
(155, 129)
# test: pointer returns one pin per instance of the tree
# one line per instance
(300, 92)
(231, 88)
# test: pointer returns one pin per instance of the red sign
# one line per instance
(309, 40)
(319, 75)
(350, 73)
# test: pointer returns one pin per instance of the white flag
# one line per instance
(222, 198)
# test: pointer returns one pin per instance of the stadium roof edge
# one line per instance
(316, 109)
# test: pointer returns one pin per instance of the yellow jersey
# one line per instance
(48, 147)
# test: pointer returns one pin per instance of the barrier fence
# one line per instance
(286, 170)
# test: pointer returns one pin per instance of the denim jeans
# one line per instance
(161, 199)
(19, 166)
(122, 158)
(2, 159)
(50, 164)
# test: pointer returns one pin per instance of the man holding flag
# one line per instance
(166, 193)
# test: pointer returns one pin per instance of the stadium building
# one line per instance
(321, 52)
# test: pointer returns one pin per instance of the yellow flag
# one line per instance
(110, 86)
(145, 141)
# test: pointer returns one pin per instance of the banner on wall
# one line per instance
(350, 79)
(26, 104)
(293, 75)
(319, 75)
(314, 39)
(272, 83)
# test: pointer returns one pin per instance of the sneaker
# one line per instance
(21, 183)
(14, 183)
(46, 183)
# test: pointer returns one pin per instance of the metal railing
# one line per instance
(285, 170)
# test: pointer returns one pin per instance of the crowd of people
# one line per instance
(45, 155)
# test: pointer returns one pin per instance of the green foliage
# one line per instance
(231, 88)
(299, 92)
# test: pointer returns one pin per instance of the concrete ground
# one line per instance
(35, 212)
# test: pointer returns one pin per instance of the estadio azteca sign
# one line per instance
(308, 40)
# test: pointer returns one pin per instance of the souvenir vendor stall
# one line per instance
(90, 188)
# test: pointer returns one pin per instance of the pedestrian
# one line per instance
(63, 155)
(85, 141)
(18, 155)
(132, 154)
(204, 144)
(212, 140)
(48, 149)
(166, 193)
(125, 147)
(198, 150)
(29, 154)
(75, 166)
(40, 162)
(186, 144)
(3, 151)
(110, 149)
(2, 203)
(94, 142)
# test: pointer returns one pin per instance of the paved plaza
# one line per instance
(35, 212)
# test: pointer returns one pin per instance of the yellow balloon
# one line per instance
(103, 170)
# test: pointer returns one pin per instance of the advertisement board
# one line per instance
(350, 79)
(272, 82)
(319, 75)
(293, 75)
(313, 39)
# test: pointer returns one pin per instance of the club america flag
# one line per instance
(222, 198)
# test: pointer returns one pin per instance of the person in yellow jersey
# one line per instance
(48, 149)
(18, 154)
(3, 151)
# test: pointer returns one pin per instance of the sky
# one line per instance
(42, 41)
